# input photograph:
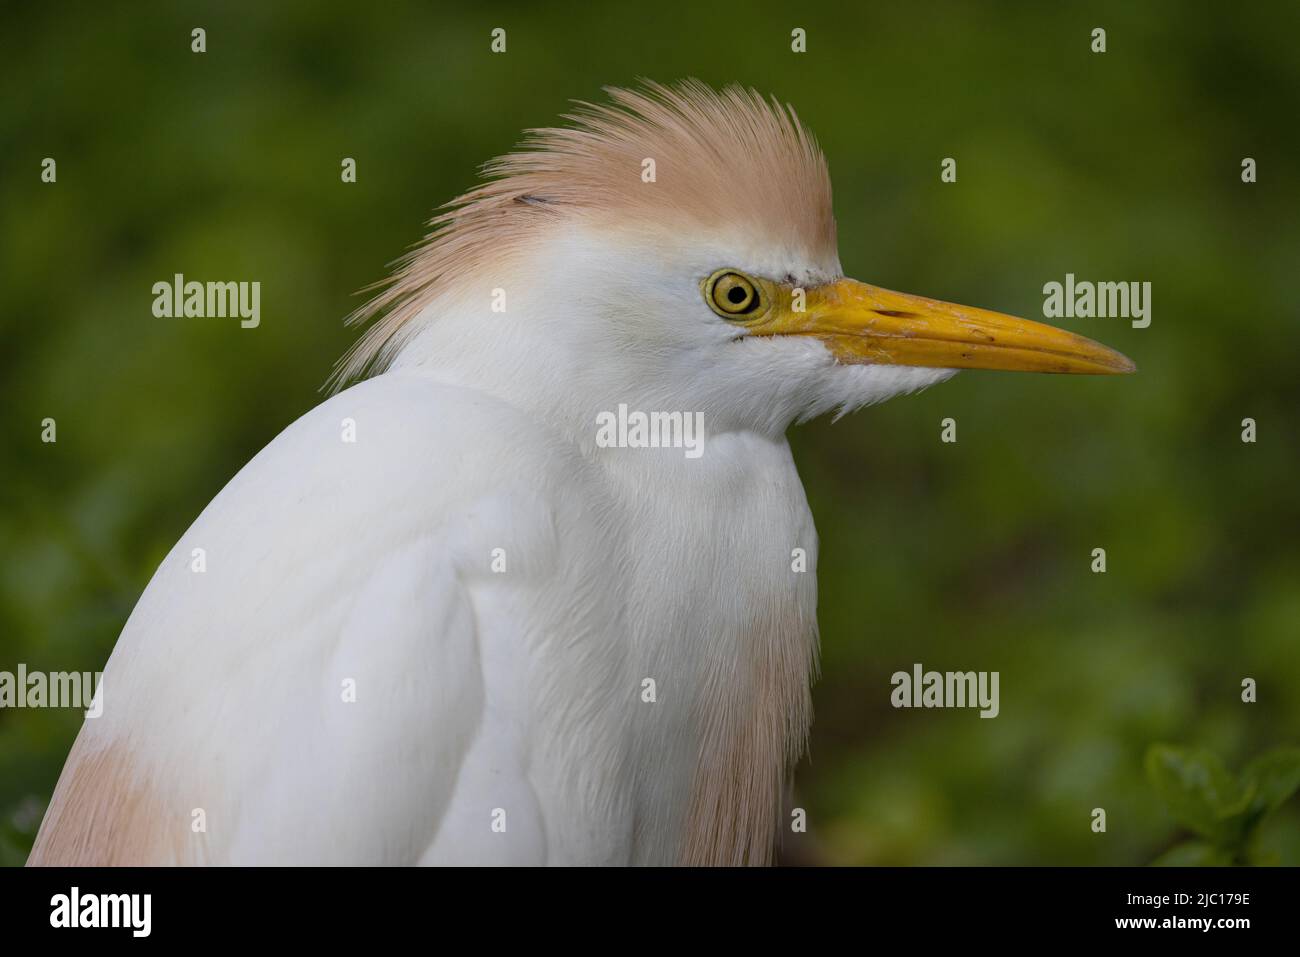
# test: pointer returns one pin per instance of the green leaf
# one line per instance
(1275, 776)
(1200, 793)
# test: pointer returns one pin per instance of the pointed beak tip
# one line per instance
(1123, 365)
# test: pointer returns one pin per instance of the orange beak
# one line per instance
(863, 324)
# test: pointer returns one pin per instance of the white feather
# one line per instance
(480, 692)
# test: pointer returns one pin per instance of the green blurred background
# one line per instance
(974, 555)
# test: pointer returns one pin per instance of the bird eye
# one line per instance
(731, 295)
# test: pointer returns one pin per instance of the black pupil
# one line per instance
(736, 295)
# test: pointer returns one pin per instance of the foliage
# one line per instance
(1223, 811)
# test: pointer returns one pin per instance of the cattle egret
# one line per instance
(439, 620)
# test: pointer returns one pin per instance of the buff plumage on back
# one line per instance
(726, 158)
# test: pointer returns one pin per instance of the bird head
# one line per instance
(675, 249)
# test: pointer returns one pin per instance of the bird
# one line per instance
(438, 621)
